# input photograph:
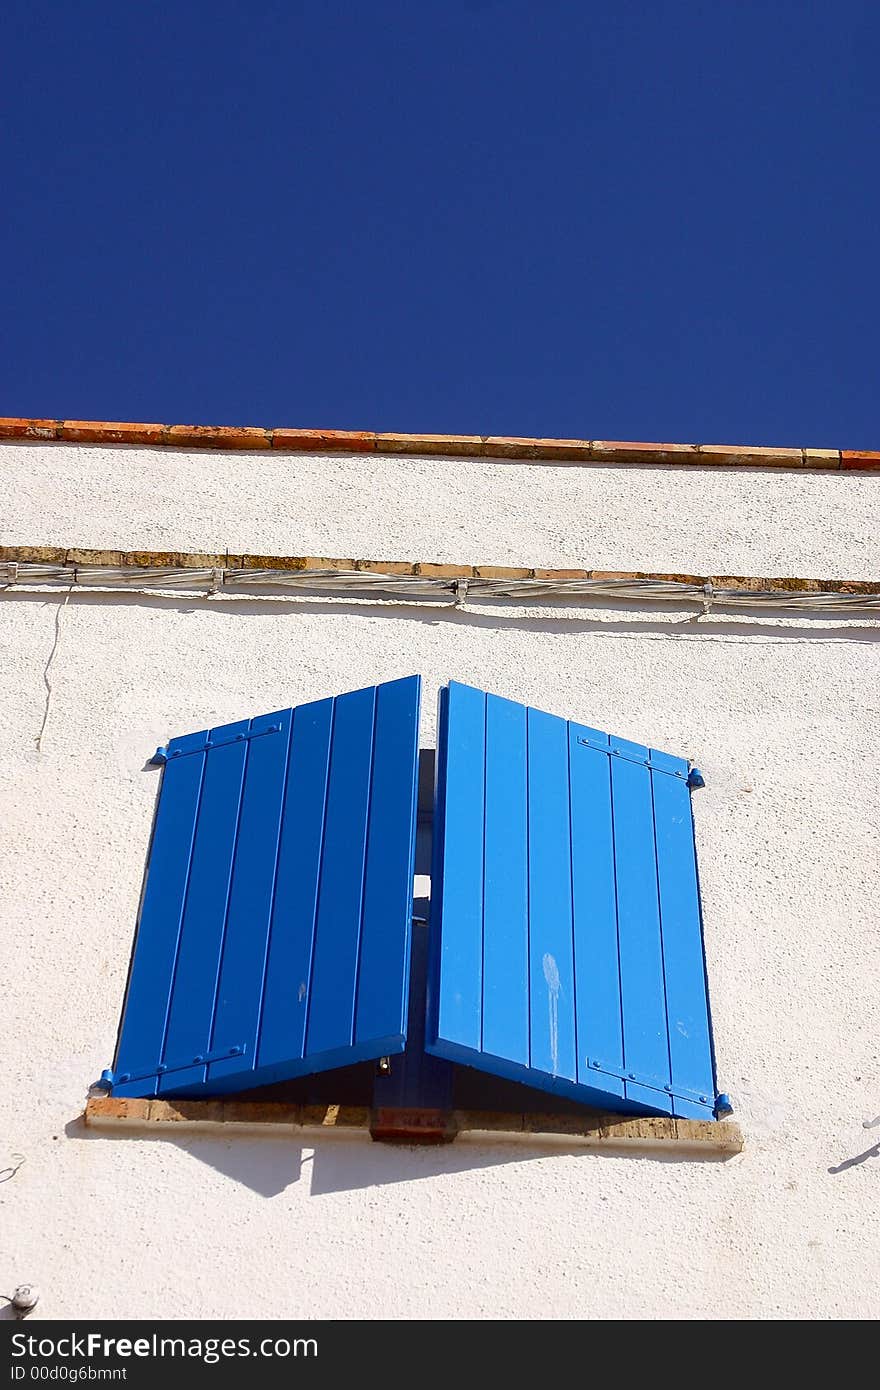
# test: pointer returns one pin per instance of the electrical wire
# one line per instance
(364, 584)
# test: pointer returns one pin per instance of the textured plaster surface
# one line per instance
(783, 720)
(709, 521)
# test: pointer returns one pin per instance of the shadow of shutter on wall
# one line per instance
(567, 948)
(275, 925)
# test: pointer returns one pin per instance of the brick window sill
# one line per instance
(595, 1130)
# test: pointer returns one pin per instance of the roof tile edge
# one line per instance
(572, 451)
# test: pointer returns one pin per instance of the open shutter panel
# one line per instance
(567, 948)
(275, 924)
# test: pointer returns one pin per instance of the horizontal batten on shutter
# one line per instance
(215, 1055)
(656, 762)
(567, 943)
(275, 924)
(172, 751)
(667, 1088)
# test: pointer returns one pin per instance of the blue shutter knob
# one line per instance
(695, 778)
(723, 1105)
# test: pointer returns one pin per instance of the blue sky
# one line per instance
(623, 220)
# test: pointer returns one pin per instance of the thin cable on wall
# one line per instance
(59, 609)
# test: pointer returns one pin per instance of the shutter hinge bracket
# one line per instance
(162, 756)
(695, 779)
(109, 1078)
(650, 1083)
(631, 758)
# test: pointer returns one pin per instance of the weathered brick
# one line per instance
(108, 558)
(821, 458)
(430, 570)
(324, 441)
(561, 574)
(12, 428)
(564, 450)
(274, 562)
(648, 1127)
(33, 554)
(443, 444)
(413, 1126)
(265, 1112)
(501, 572)
(336, 1116)
(111, 432)
(218, 437)
(507, 447)
(628, 451)
(719, 1136)
(405, 567)
(177, 1112)
(330, 562)
(860, 460)
(730, 456)
(177, 559)
(549, 1122)
(116, 1110)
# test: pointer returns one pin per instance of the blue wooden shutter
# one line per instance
(567, 948)
(275, 925)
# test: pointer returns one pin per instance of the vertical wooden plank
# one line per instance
(686, 997)
(240, 988)
(594, 895)
(159, 921)
(382, 978)
(340, 893)
(646, 1050)
(204, 919)
(289, 962)
(505, 1004)
(461, 929)
(551, 946)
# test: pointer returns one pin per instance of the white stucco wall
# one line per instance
(708, 521)
(782, 716)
